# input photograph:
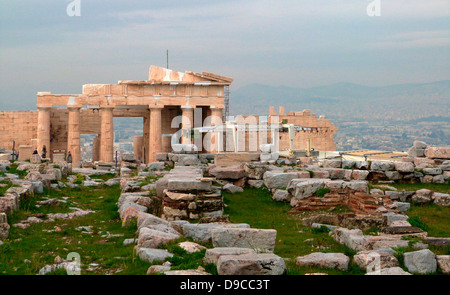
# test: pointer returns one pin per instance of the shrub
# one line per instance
(322, 191)
(79, 179)
(319, 230)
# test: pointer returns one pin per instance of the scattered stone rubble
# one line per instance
(192, 190)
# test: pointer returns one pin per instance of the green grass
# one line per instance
(41, 247)
(322, 191)
(431, 218)
(436, 187)
(104, 177)
(3, 189)
(256, 207)
(13, 170)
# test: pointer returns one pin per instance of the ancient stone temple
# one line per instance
(179, 109)
(60, 119)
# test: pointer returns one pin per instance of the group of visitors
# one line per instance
(44, 154)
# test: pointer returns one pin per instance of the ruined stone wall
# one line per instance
(320, 131)
(20, 126)
(90, 124)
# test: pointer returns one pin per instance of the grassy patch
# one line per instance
(322, 191)
(436, 187)
(13, 170)
(104, 177)
(293, 239)
(39, 244)
(4, 188)
(415, 221)
(434, 219)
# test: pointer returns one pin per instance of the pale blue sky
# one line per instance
(300, 43)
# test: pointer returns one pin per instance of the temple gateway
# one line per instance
(61, 119)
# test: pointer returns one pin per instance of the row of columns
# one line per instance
(104, 145)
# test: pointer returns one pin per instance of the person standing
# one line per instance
(69, 158)
(44, 152)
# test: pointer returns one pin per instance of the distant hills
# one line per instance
(347, 100)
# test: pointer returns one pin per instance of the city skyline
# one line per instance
(295, 43)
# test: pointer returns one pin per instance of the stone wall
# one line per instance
(319, 130)
(20, 126)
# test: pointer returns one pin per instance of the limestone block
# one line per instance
(441, 199)
(260, 239)
(404, 167)
(403, 206)
(389, 271)
(278, 179)
(189, 184)
(443, 262)
(307, 188)
(255, 183)
(232, 172)
(423, 196)
(437, 152)
(231, 159)
(332, 163)
(202, 232)
(230, 188)
(336, 173)
(9, 203)
(153, 255)
(382, 166)
(324, 260)
(251, 264)
(422, 261)
(25, 152)
(4, 231)
(156, 166)
(357, 185)
(416, 152)
(320, 173)
(362, 165)
(360, 174)
(375, 260)
(281, 196)
(150, 238)
(213, 255)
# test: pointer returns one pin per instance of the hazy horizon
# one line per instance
(300, 44)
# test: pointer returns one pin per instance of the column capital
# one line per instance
(107, 107)
(188, 107)
(43, 106)
(217, 107)
(155, 107)
(74, 107)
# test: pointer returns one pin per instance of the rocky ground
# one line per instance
(185, 215)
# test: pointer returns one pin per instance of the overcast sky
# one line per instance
(299, 43)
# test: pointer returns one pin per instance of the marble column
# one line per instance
(155, 134)
(73, 135)
(43, 129)
(216, 137)
(96, 148)
(107, 134)
(146, 146)
(138, 145)
(187, 123)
